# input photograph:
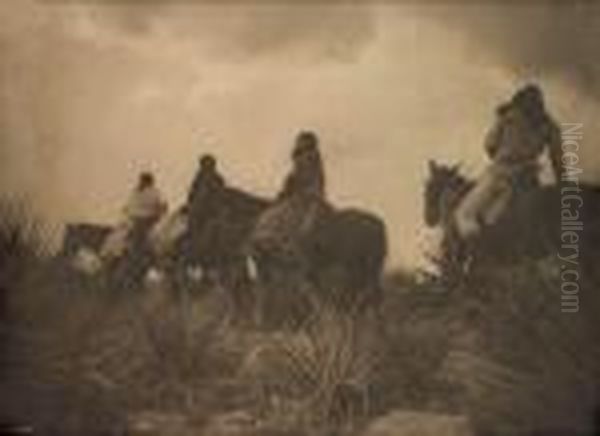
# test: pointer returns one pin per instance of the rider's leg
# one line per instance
(497, 206)
(500, 195)
(485, 203)
(468, 212)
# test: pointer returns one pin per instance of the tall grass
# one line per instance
(22, 238)
(497, 350)
(529, 366)
(317, 376)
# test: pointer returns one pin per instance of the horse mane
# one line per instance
(444, 190)
(456, 183)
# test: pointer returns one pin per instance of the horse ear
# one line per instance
(456, 168)
(432, 166)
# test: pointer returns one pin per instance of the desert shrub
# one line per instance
(316, 376)
(496, 348)
(532, 365)
(23, 250)
(22, 235)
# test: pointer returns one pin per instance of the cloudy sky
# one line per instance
(92, 92)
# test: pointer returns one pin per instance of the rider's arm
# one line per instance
(493, 140)
(194, 189)
(130, 207)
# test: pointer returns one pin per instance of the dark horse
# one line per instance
(224, 230)
(355, 243)
(218, 246)
(530, 227)
(350, 241)
(83, 235)
(341, 258)
(126, 271)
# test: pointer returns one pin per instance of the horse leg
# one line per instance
(271, 286)
(369, 295)
(256, 271)
(454, 256)
(238, 286)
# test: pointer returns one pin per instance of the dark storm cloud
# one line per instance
(240, 30)
(536, 39)
(83, 80)
(43, 54)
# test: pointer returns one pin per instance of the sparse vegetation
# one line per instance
(496, 350)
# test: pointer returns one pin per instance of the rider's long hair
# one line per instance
(145, 180)
(529, 100)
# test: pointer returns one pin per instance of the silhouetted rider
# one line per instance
(300, 204)
(206, 189)
(522, 132)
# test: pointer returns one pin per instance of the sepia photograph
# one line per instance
(299, 218)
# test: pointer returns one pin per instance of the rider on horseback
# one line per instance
(305, 185)
(144, 208)
(205, 191)
(205, 206)
(307, 177)
(300, 203)
(522, 132)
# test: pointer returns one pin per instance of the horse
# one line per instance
(350, 242)
(353, 242)
(80, 250)
(78, 236)
(214, 245)
(444, 189)
(529, 227)
(341, 258)
(102, 252)
(348, 248)
(84, 252)
(220, 240)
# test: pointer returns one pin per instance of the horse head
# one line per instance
(445, 184)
